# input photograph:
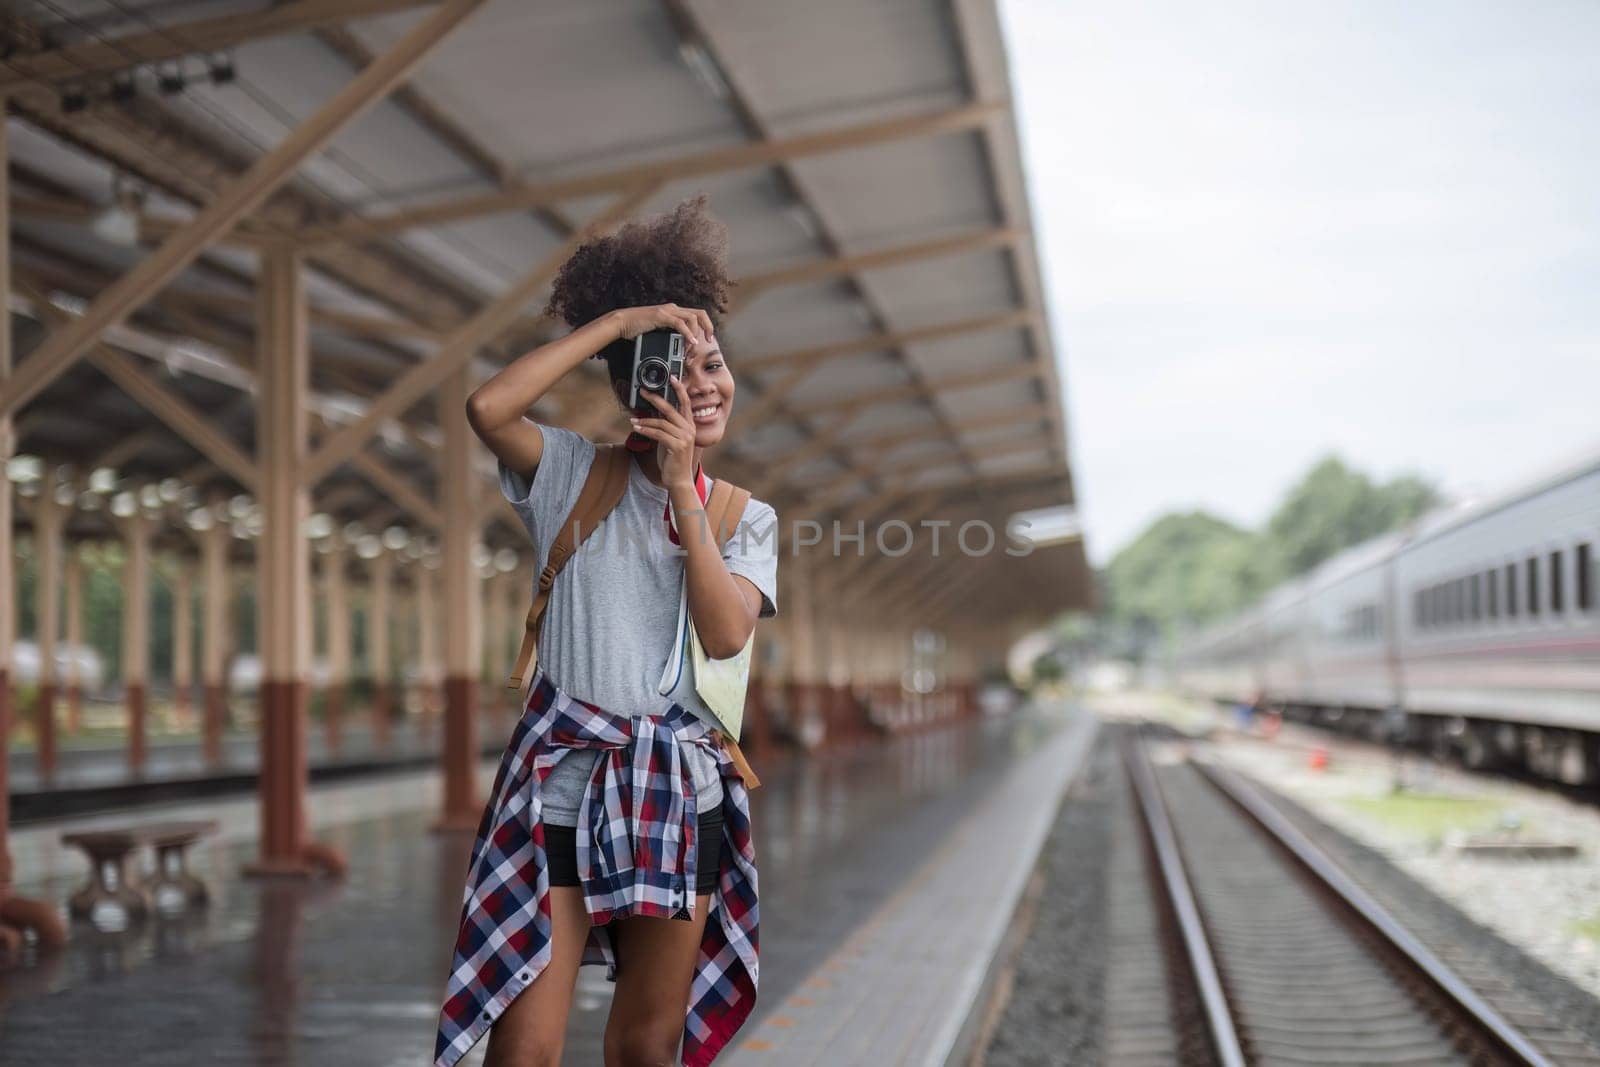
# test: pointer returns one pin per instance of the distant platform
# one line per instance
(887, 875)
(94, 776)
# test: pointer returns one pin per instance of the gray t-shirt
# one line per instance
(613, 612)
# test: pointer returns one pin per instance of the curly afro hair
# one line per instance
(675, 258)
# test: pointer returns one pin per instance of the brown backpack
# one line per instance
(602, 490)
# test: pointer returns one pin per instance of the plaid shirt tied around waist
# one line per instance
(636, 852)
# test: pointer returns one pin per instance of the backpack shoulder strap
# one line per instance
(724, 508)
(602, 489)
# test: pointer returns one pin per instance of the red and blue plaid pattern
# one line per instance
(636, 853)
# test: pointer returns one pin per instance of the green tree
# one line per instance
(1334, 507)
(1187, 569)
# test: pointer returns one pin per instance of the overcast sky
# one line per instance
(1272, 230)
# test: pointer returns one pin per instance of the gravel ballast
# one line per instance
(1053, 1013)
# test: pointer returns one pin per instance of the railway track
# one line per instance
(1273, 955)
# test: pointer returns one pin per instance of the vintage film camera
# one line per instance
(657, 359)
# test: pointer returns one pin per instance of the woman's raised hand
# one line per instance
(694, 324)
(673, 434)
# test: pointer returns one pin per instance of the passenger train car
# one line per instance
(1481, 624)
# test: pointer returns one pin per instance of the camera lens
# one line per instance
(653, 374)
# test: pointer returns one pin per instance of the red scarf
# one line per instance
(638, 442)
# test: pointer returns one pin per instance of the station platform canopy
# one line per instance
(888, 334)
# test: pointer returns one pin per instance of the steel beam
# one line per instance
(185, 38)
(64, 347)
(833, 437)
(482, 328)
(697, 165)
(176, 414)
(973, 379)
(800, 363)
(753, 285)
(405, 494)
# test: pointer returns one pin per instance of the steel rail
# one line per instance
(1175, 879)
(1493, 1026)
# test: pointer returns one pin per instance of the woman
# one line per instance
(558, 878)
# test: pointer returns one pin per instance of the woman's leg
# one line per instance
(656, 960)
(532, 1029)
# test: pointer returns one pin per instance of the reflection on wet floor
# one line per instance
(280, 972)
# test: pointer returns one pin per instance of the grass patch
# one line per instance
(1429, 815)
(1585, 928)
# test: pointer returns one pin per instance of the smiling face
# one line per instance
(710, 386)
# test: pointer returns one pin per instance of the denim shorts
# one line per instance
(561, 852)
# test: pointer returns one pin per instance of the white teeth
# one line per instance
(701, 413)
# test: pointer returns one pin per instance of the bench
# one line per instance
(112, 899)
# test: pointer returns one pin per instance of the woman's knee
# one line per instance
(522, 1048)
(644, 1043)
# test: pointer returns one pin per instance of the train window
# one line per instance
(1585, 579)
(1491, 581)
(1557, 573)
(1533, 585)
(1511, 590)
(1475, 596)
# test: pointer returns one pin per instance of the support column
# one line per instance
(429, 676)
(183, 640)
(755, 736)
(841, 677)
(380, 594)
(73, 594)
(897, 646)
(858, 660)
(462, 609)
(494, 666)
(519, 586)
(214, 634)
(136, 530)
(284, 570)
(16, 913)
(49, 519)
(337, 605)
(877, 677)
(805, 706)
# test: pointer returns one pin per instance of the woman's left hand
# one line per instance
(673, 434)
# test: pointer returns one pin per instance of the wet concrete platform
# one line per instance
(865, 856)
